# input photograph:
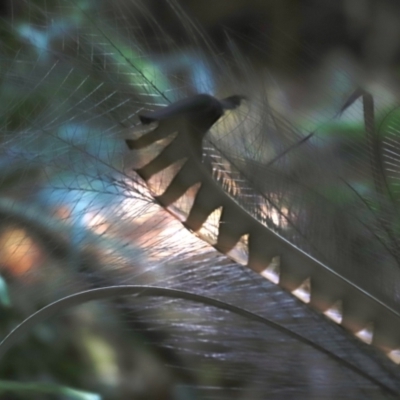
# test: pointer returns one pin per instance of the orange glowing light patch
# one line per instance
(18, 251)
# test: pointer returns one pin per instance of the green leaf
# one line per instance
(46, 388)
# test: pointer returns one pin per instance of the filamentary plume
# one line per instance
(160, 250)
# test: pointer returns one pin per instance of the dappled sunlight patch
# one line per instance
(335, 313)
(273, 270)
(181, 207)
(19, 253)
(303, 292)
(96, 222)
(161, 180)
(210, 228)
(240, 252)
(269, 213)
(63, 213)
(366, 334)
(394, 355)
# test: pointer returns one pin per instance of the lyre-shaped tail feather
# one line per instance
(328, 287)
(76, 75)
